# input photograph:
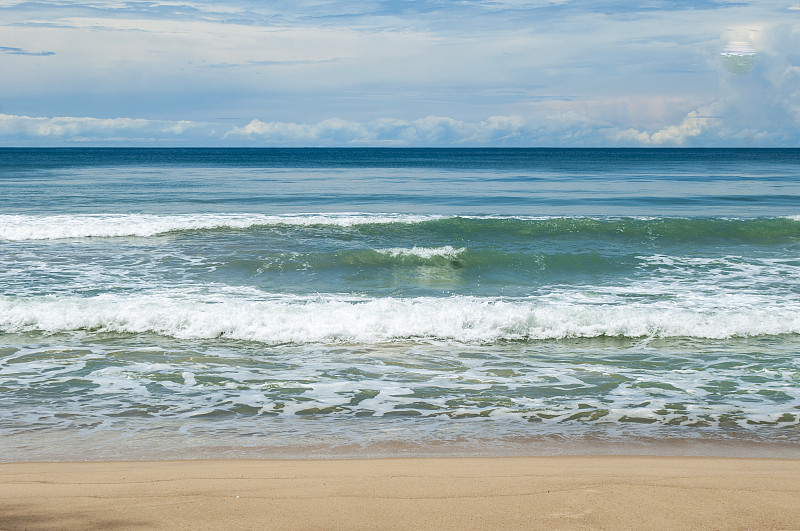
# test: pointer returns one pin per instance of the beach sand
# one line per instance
(564, 492)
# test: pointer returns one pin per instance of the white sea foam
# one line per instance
(292, 395)
(447, 251)
(18, 227)
(333, 319)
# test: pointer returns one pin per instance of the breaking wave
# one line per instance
(19, 227)
(343, 319)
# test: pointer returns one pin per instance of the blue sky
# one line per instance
(399, 73)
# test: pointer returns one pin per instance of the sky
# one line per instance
(539, 73)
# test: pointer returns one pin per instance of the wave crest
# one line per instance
(19, 227)
(447, 251)
(339, 319)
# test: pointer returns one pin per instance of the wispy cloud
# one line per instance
(20, 51)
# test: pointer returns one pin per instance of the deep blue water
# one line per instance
(696, 182)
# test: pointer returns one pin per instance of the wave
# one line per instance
(21, 227)
(423, 252)
(17, 227)
(492, 261)
(343, 319)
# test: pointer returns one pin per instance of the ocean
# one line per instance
(184, 303)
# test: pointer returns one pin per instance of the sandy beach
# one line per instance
(596, 492)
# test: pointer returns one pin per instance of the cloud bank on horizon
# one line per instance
(400, 73)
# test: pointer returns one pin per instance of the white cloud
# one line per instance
(693, 125)
(76, 128)
(757, 107)
(430, 131)
(331, 130)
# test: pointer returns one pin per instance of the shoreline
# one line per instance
(55, 447)
(550, 492)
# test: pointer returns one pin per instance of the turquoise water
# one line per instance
(171, 303)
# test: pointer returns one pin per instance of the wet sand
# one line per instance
(564, 492)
